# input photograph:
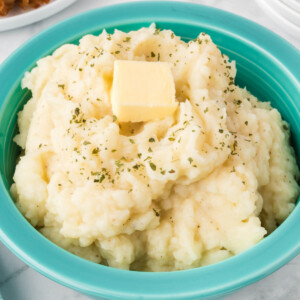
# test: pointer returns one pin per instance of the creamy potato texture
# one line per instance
(181, 192)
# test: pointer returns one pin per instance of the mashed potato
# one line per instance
(170, 194)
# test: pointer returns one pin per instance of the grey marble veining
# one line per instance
(20, 282)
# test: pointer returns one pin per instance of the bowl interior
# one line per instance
(258, 68)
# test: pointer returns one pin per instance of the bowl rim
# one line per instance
(98, 280)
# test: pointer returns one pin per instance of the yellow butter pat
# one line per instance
(142, 91)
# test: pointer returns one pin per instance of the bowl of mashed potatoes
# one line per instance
(157, 153)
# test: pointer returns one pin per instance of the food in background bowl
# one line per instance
(7, 5)
(192, 188)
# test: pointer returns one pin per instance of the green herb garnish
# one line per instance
(156, 212)
(152, 165)
(95, 150)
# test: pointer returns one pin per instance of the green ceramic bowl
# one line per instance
(267, 65)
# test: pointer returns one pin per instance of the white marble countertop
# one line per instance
(20, 282)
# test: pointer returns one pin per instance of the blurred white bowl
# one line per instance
(19, 18)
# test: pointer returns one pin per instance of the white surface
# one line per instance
(18, 17)
(288, 22)
(295, 4)
(19, 282)
(286, 11)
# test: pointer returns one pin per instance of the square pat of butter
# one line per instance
(142, 91)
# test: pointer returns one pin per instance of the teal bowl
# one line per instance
(266, 64)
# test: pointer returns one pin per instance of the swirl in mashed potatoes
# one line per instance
(181, 192)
